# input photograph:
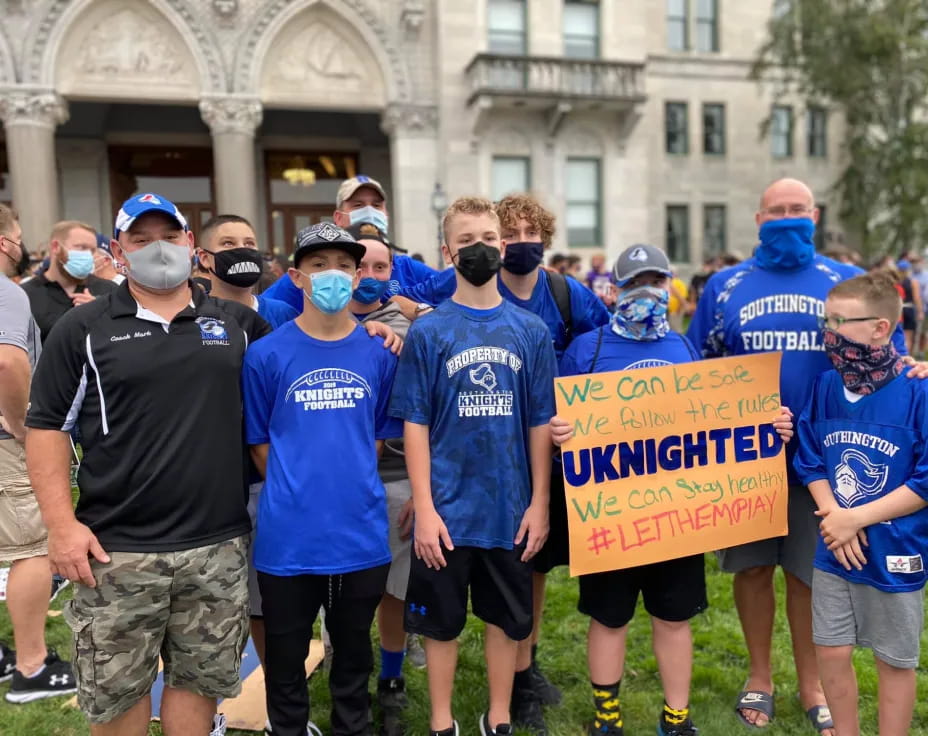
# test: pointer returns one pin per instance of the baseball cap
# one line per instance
(350, 186)
(638, 259)
(138, 205)
(903, 265)
(325, 236)
(366, 230)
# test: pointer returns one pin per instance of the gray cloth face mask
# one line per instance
(159, 265)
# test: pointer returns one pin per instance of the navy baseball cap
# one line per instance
(326, 236)
(138, 205)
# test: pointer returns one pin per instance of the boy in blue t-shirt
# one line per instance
(316, 393)
(863, 452)
(674, 591)
(475, 388)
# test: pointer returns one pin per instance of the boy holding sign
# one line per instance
(863, 453)
(475, 388)
(674, 591)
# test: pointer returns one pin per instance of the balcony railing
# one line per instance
(555, 78)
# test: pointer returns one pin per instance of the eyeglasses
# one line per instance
(794, 210)
(836, 323)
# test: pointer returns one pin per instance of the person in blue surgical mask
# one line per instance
(360, 200)
(69, 281)
(772, 302)
(316, 393)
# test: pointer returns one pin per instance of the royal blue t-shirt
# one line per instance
(617, 353)
(406, 272)
(480, 379)
(866, 449)
(587, 312)
(274, 311)
(746, 309)
(321, 405)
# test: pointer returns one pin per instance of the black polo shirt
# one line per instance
(160, 415)
(49, 302)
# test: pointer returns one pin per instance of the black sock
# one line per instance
(534, 652)
(523, 679)
(674, 717)
(606, 702)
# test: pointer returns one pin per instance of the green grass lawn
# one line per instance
(718, 676)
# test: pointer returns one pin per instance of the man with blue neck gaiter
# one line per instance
(772, 302)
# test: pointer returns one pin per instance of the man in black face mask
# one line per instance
(229, 253)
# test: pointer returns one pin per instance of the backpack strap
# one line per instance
(560, 290)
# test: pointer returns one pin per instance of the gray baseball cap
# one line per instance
(637, 259)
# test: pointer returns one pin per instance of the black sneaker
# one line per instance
(58, 584)
(526, 711)
(453, 731)
(391, 697)
(56, 679)
(605, 729)
(7, 662)
(548, 692)
(683, 729)
(502, 729)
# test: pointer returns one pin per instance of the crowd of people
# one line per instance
(350, 431)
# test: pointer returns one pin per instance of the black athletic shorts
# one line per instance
(500, 587)
(557, 547)
(908, 318)
(674, 590)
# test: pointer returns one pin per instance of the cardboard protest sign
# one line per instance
(672, 461)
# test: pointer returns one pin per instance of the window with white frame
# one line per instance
(676, 127)
(707, 25)
(510, 174)
(581, 29)
(781, 131)
(713, 230)
(584, 202)
(506, 27)
(817, 131)
(678, 233)
(678, 25)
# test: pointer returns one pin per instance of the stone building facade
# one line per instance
(633, 120)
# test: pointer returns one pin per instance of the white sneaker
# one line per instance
(219, 725)
(311, 729)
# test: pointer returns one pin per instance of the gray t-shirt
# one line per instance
(17, 327)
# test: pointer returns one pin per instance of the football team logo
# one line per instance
(212, 331)
(639, 254)
(856, 477)
(483, 376)
(149, 198)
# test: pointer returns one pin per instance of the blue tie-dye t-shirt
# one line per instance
(480, 379)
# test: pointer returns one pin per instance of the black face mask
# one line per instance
(22, 268)
(522, 258)
(478, 263)
(237, 266)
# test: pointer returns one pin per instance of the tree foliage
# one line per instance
(868, 61)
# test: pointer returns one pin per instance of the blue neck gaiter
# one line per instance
(786, 245)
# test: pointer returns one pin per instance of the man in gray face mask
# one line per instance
(150, 373)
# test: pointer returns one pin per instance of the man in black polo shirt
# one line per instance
(150, 374)
(69, 280)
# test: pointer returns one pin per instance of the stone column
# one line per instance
(413, 132)
(233, 120)
(30, 117)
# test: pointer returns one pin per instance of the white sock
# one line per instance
(36, 673)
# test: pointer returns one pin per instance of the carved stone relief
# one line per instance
(118, 52)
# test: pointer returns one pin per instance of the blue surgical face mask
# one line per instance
(522, 258)
(371, 215)
(370, 290)
(79, 264)
(641, 313)
(331, 290)
(786, 245)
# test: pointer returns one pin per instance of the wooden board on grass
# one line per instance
(248, 711)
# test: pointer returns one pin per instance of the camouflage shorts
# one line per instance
(189, 607)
